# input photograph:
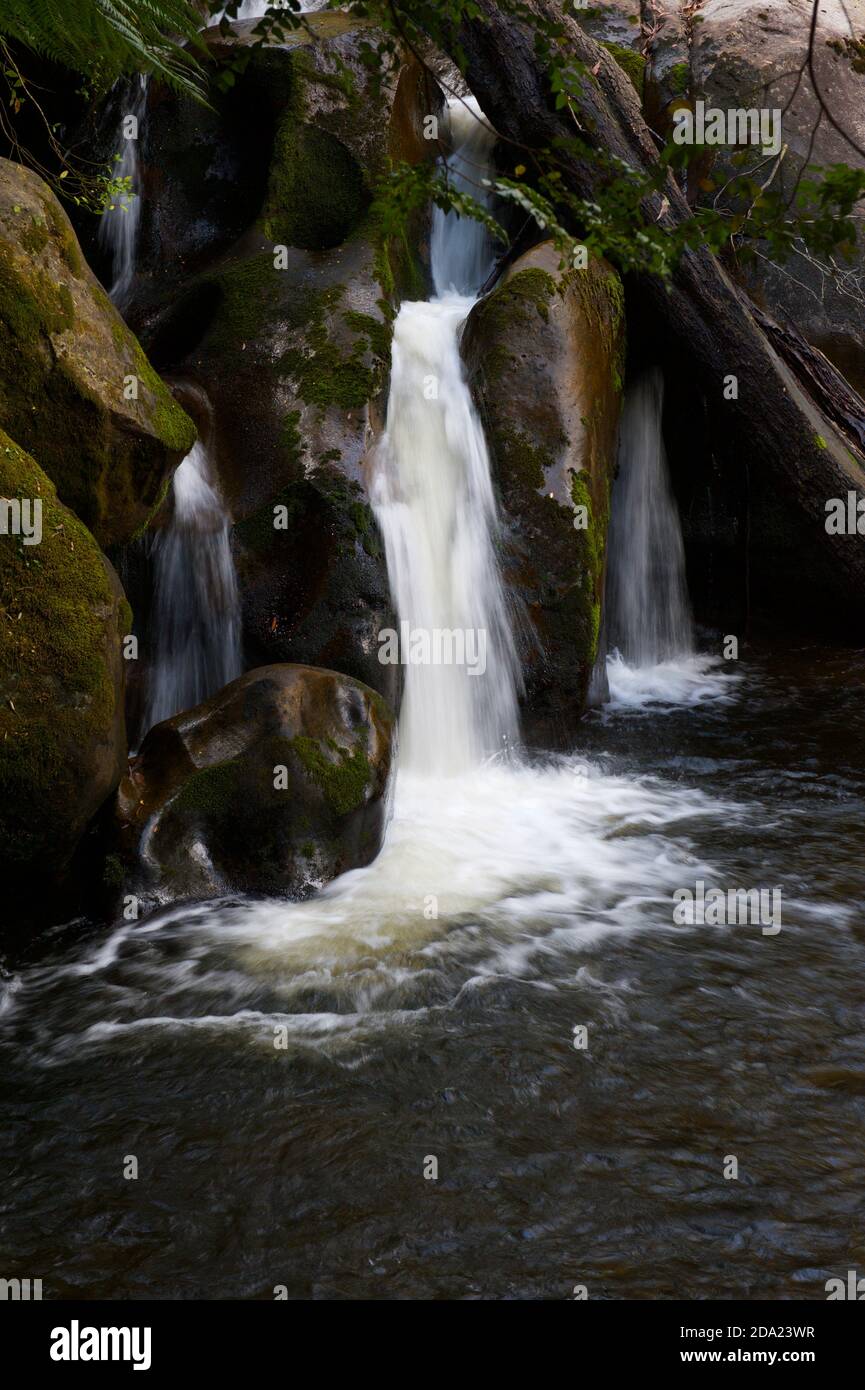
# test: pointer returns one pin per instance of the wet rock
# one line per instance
(62, 737)
(293, 345)
(275, 785)
(76, 390)
(544, 354)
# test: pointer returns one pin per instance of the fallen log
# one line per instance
(783, 420)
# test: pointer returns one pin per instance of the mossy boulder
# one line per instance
(275, 785)
(76, 389)
(295, 362)
(62, 736)
(545, 357)
(292, 149)
(289, 333)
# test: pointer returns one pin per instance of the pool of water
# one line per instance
(284, 1073)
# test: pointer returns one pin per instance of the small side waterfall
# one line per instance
(195, 618)
(648, 615)
(648, 628)
(434, 502)
(118, 230)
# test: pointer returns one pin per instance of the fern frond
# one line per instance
(158, 36)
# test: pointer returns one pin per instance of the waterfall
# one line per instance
(196, 606)
(648, 616)
(118, 230)
(648, 629)
(433, 498)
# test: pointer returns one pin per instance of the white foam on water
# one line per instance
(688, 680)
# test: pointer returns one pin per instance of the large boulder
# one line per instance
(293, 346)
(62, 734)
(76, 389)
(545, 358)
(275, 786)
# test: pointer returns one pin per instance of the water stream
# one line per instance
(652, 658)
(195, 619)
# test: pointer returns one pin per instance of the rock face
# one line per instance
(747, 53)
(275, 785)
(62, 735)
(545, 357)
(68, 364)
(292, 345)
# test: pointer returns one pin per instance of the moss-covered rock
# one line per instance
(75, 387)
(275, 785)
(62, 735)
(633, 64)
(545, 354)
(290, 335)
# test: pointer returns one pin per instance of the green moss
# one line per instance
(352, 512)
(521, 458)
(64, 236)
(633, 64)
(327, 374)
(57, 684)
(602, 296)
(63, 405)
(211, 792)
(29, 313)
(316, 191)
(509, 308)
(169, 421)
(820, 441)
(35, 238)
(343, 778)
(679, 79)
(378, 332)
(246, 290)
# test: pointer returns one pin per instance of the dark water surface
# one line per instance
(303, 1165)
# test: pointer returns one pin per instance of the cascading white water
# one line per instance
(118, 230)
(648, 616)
(491, 869)
(648, 624)
(196, 606)
(433, 499)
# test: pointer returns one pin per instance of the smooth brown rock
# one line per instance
(545, 359)
(275, 786)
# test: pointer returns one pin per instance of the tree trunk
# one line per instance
(804, 425)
